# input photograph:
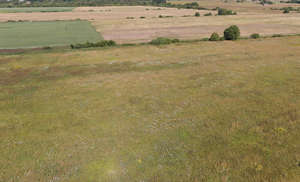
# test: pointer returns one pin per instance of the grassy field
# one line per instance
(207, 111)
(35, 9)
(37, 34)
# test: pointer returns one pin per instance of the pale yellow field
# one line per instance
(113, 22)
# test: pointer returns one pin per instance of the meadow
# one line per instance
(51, 33)
(203, 111)
(35, 9)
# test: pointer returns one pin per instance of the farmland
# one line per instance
(206, 111)
(189, 110)
(52, 33)
(124, 24)
(35, 9)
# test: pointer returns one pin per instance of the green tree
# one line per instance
(232, 33)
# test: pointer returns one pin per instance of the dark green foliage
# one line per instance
(286, 11)
(162, 16)
(222, 11)
(214, 37)
(291, 1)
(232, 33)
(193, 5)
(208, 14)
(142, 17)
(197, 14)
(104, 43)
(159, 1)
(163, 40)
(74, 3)
(277, 35)
(255, 36)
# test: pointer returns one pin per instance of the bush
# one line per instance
(255, 36)
(222, 11)
(104, 43)
(142, 17)
(277, 35)
(161, 16)
(163, 40)
(232, 33)
(208, 14)
(286, 11)
(214, 37)
(197, 14)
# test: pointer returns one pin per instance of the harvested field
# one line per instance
(124, 25)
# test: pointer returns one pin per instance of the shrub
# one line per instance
(277, 35)
(232, 33)
(255, 36)
(142, 17)
(208, 14)
(163, 40)
(129, 17)
(214, 37)
(197, 14)
(222, 11)
(286, 11)
(161, 16)
(104, 43)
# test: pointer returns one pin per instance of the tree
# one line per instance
(159, 1)
(232, 33)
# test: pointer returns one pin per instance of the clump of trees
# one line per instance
(232, 33)
(291, 1)
(193, 5)
(197, 14)
(104, 43)
(163, 40)
(222, 11)
(255, 36)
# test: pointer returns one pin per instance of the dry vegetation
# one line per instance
(207, 111)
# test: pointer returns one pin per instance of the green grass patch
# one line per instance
(35, 9)
(38, 34)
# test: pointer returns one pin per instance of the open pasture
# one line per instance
(206, 111)
(53, 33)
(125, 25)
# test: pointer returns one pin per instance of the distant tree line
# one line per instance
(72, 3)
